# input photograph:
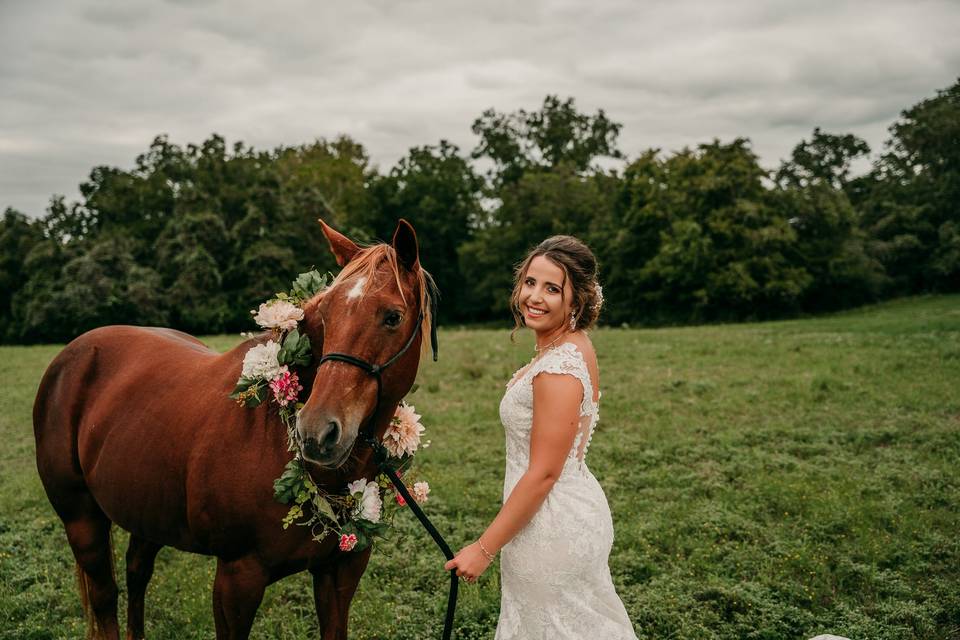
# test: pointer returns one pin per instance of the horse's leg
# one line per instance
(333, 589)
(88, 532)
(140, 556)
(237, 592)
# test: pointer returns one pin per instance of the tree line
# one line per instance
(194, 237)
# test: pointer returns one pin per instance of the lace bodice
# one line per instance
(516, 408)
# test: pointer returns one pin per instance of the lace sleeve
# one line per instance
(566, 359)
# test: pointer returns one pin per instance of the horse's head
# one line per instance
(379, 307)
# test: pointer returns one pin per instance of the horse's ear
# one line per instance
(342, 247)
(405, 243)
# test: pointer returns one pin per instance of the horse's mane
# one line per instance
(365, 264)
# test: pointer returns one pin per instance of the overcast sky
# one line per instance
(86, 83)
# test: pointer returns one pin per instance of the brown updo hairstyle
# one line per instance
(579, 265)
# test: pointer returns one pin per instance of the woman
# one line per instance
(554, 528)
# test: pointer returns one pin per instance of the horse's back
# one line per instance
(108, 357)
(121, 401)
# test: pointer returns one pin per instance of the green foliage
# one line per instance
(539, 204)
(826, 158)
(831, 247)
(295, 350)
(697, 236)
(556, 134)
(437, 191)
(308, 285)
(104, 285)
(17, 239)
(207, 231)
(909, 201)
(250, 392)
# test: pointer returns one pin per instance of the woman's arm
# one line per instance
(556, 419)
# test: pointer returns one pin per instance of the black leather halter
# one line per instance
(380, 452)
(376, 369)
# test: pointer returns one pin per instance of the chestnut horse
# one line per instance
(134, 427)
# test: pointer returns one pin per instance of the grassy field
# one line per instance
(773, 480)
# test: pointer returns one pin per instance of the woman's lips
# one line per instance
(535, 313)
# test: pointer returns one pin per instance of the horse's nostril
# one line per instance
(311, 448)
(332, 436)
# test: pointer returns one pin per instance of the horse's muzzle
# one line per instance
(326, 445)
(326, 441)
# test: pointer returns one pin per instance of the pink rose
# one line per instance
(348, 542)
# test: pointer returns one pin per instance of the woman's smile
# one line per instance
(545, 295)
(535, 312)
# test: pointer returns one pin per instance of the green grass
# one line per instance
(773, 480)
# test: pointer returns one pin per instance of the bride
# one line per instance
(554, 528)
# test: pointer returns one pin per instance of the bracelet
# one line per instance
(484, 550)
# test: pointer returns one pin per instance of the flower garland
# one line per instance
(359, 515)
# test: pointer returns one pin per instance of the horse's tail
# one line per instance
(83, 584)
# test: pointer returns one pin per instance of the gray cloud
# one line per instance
(88, 82)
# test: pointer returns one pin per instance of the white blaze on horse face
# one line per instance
(357, 289)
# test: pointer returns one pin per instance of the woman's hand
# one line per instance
(470, 562)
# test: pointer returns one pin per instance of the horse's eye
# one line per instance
(393, 319)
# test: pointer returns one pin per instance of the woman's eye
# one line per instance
(553, 290)
(393, 319)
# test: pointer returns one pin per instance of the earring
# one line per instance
(573, 322)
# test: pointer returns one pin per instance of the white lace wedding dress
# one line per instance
(555, 579)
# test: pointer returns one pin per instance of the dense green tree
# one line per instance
(199, 302)
(812, 193)
(436, 190)
(696, 236)
(198, 235)
(831, 247)
(911, 201)
(556, 134)
(103, 285)
(326, 179)
(826, 158)
(18, 236)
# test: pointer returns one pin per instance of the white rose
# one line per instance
(278, 314)
(261, 361)
(369, 505)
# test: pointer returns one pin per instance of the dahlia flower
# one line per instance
(278, 314)
(403, 433)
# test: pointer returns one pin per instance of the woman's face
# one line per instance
(541, 303)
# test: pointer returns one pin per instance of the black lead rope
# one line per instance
(381, 457)
(380, 454)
